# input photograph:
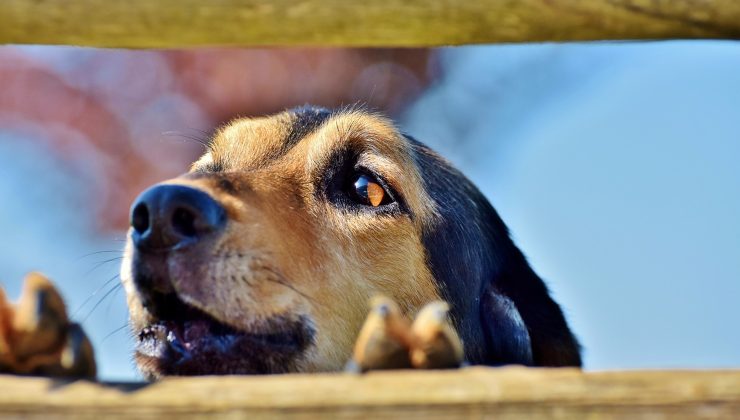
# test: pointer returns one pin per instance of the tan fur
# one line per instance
(286, 250)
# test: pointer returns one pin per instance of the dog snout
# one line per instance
(169, 217)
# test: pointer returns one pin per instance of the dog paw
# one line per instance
(388, 340)
(37, 338)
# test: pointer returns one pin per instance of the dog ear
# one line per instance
(500, 307)
(506, 333)
(518, 293)
(516, 297)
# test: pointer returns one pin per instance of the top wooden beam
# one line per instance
(389, 23)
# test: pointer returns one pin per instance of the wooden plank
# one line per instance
(474, 392)
(188, 23)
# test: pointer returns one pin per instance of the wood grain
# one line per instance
(190, 23)
(474, 392)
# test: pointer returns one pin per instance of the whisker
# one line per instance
(102, 298)
(99, 252)
(110, 302)
(184, 136)
(94, 293)
(203, 132)
(119, 329)
(100, 264)
(279, 279)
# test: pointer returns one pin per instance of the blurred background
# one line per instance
(614, 164)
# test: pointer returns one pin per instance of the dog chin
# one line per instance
(194, 343)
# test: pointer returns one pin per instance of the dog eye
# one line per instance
(369, 192)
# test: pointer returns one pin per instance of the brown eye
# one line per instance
(369, 192)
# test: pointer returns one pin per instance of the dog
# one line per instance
(262, 257)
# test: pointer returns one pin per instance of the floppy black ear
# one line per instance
(552, 342)
(506, 333)
(501, 308)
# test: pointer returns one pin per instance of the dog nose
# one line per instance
(168, 217)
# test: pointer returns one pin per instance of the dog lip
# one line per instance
(184, 338)
(187, 341)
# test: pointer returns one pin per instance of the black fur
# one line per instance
(501, 308)
(307, 120)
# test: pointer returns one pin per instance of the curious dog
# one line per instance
(261, 258)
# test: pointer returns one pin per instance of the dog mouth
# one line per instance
(184, 340)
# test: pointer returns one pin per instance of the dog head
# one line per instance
(262, 258)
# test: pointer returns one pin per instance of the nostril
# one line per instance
(140, 218)
(170, 217)
(183, 222)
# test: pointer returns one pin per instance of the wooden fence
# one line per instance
(389, 23)
(473, 392)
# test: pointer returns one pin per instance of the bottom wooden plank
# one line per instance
(475, 392)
